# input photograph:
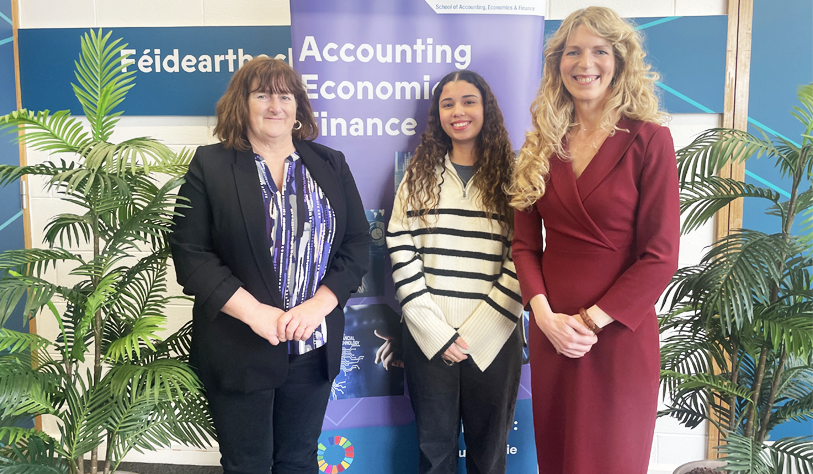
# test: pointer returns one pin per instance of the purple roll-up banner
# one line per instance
(370, 68)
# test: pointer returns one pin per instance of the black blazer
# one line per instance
(219, 244)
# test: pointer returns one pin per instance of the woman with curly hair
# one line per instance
(449, 240)
(599, 170)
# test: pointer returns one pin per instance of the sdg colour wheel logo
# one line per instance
(336, 456)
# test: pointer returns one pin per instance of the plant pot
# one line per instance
(707, 463)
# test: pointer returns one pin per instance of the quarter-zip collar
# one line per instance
(465, 189)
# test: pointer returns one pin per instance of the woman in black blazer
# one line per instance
(271, 240)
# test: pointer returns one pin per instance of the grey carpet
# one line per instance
(145, 468)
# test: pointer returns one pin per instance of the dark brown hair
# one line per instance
(492, 147)
(266, 75)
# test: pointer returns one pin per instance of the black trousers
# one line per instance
(443, 395)
(279, 427)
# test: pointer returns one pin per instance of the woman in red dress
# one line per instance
(599, 170)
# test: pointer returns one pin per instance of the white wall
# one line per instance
(673, 444)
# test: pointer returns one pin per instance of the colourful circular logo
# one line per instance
(336, 445)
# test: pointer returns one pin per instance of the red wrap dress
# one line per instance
(612, 240)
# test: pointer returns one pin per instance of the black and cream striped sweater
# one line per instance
(455, 278)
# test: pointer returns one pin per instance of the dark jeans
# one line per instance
(443, 395)
(279, 427)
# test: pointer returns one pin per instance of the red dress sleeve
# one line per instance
(527, 253)
(657, 239)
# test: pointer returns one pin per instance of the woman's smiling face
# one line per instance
(587, 66)
(461, 111)
(271, 116)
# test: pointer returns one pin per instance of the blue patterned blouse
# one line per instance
(300, 225)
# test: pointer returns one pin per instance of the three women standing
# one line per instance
(449, 240)
(276, 239)
(599, 170)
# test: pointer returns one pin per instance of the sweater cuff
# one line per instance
(448, 344)
(427, 326)
(487, 337)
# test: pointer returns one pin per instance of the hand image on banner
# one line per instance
(361, 375)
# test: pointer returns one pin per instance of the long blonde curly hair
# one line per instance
(492, 147)
(632, 95)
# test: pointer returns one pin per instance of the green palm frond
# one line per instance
(147, 224)
(15, 383)
(796, 410)
(737, 272)
(692, 410)
(88, 408)
(142, 288)
(694, 398)
(15, 434)
(70, 318)
(687, 353)
(143, 332)
(804, 114)
(33, 262)
(68, 227)
(715, 148)
(14, 341)
(39, 361)
(101, 265)
(792, 455)
(688, 416)
(82, 181)
(187, 420)
(130, 419)
(36, 292)
(807, 218)
(138, 310)
(134, 156)
(10, 174)
(791, 154)
(176, 346)
(24, 389)
(37, 402)
(190, 421)
(36, 456)
(55, 133)
(717, 383)
(780, 210)
(745, 456)
(798, 379)
(142, 424)
(788, 326)
(160, 378)
(95, 301)
(701, 200)
(102, 84)
(175, 165)
(748, 368)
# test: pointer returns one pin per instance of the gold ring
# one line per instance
(447, 361)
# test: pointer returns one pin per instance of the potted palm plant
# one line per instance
(738, 337)
(109, 379)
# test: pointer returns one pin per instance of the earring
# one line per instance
(297, 125)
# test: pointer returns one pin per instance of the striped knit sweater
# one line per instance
(455, 278)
